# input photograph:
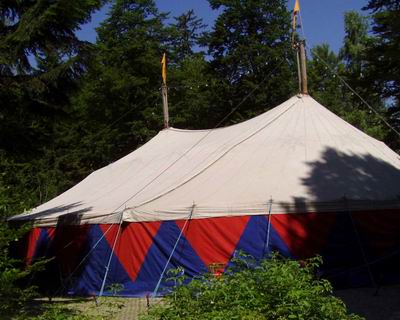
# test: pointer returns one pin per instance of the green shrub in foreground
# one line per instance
(277, 288)
(15, 291)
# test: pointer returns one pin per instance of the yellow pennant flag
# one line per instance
(296, 10)
(164, 68)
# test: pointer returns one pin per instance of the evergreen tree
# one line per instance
(190, 78)
(40, 59)
(384, 51)
(250, 47)
(355, 42)
(326, 67)
(191, 93)
(384, 60)
(119, 106)
(358, 73)
(186, 32)
(324, 86)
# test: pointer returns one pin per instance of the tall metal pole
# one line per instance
(303, 67)
(164, 93)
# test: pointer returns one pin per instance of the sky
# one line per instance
(322, 19)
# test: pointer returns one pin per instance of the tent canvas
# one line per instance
(297, 179)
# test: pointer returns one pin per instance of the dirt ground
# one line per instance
(385, 305)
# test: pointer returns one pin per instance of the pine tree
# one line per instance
(119, 106)
(384, 51)
(189, 75)
(40, 60)
(187, 30)
(250, 50)
(355, 42)
(384, 60)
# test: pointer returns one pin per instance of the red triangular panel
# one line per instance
(51, 232)
(305, 234)
(33, 237)
(134, 241)
(214, 239)
(380, 229)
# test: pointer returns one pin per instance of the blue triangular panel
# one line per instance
(157, 257)
(42, 244)
(254, 239)
(89, 278)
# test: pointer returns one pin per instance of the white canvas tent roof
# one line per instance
(299, 155)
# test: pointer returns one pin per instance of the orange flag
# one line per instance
(296, 10)
(164, 68)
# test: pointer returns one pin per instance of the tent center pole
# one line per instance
(164, 93)
(302, 66)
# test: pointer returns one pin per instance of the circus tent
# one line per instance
(296, 179)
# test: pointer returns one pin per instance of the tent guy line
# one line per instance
(107, 268)
(357, 94)
(341, 78)
(58, 291)
(154, 294)
(269, 222)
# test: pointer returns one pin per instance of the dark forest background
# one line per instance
(69, 107)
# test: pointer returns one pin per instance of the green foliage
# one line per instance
(58, 313)
(114, 288)
(186, 33)
(40, 60)
(383, 53)
(355, 42)
(191, 94)
(251, 50)
(326, 67)
(277, 288)
(14, 297)
(384, 60)
(121, 87)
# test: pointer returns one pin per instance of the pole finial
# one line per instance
(164, 90)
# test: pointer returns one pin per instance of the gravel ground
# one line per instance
(365, 302)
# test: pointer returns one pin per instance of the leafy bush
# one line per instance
(58, 313)
(14, 297)
(275, 288)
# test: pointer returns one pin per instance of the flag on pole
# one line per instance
(296, 10)
(164, 68)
